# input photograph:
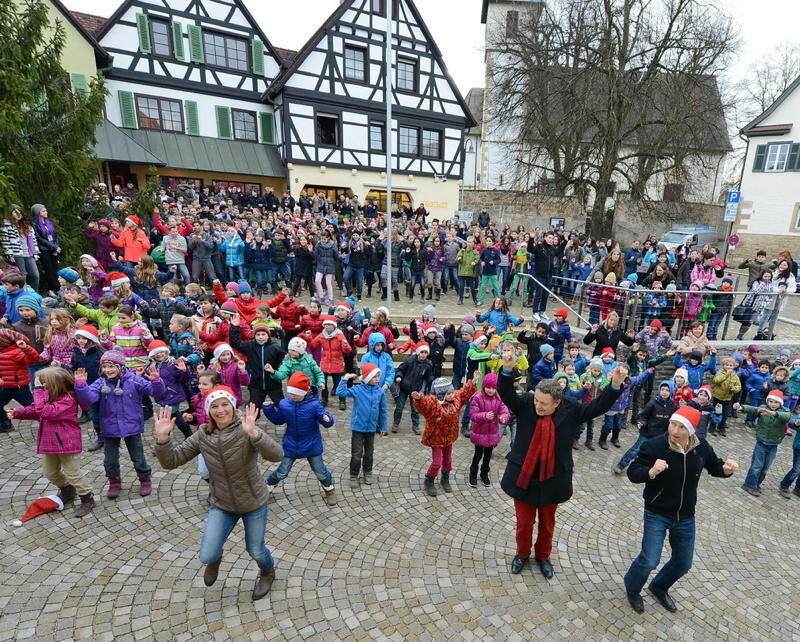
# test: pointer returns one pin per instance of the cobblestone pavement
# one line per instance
(388, 563)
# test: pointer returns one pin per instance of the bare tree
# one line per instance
(596, 89)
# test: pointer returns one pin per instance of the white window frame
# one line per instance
(777, 157)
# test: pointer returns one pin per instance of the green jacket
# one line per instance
(304, 364)
(467, 260)
(104, 321)
(771, 429)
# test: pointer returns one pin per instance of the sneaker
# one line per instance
(535, 317)
(543, 316)
(617, 469)
(755, 492)
(416, 430)
(353, 481)
(796, 491)
(270, 490)
(785, 492)
(368, 478)
(473, 480)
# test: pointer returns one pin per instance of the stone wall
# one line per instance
(634, 220)
(521, 208)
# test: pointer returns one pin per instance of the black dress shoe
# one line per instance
(636, 602)
(517, 564)
(546, 568)
(665, 600)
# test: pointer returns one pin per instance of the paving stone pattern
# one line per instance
(389, 562)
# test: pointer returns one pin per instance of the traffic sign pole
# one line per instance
(731, 211)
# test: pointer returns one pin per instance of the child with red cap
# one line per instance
(303, 414)
(559, 326)
(370, 415)
(770, 431)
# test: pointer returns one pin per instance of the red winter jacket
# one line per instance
(246, 309)
(14, 361)
(184, 229)
(333, 351)
(290, 314)
(386, 332)
(311, 322)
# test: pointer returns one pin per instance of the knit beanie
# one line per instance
(298, 345)
(232, 285)
(259, 325)
(244, 286)
(489, 380)
(441, 386)
(656, 323)
(229, 307)
(561, 312)
(28, 301)
(546, 349)
(467, 328)
(114, 357)
(596, 362)
(688, 417)
(69, 275)
(220, 349)
(681, 372)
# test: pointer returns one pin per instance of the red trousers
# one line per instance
(526, 518)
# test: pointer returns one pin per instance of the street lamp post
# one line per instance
(388, 146)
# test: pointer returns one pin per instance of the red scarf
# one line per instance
(541, 453)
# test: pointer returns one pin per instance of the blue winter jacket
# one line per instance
(174, 378)
(257, 258)
(381, 359)
(369, 410)
(757, 381)
(460, 349)
(544, 369)
(565, 332)
(630, 259)
(696, 373)
(499, 319)
(120, 415)
(89, 361)
(233, 249)
(302, 418)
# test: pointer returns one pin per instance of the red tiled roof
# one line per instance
(91, 23)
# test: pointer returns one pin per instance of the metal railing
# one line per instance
(592, 302)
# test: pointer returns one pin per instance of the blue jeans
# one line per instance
(399, 406)
(219, 525)
(631, 453)
(353, 280)
(202, 468)
(505, 278)
(681, 541)
(236, 273)
(317, 467)
(135, 447)
(449, 277)
(794, 474)
(281, 271)
(714, 320)
(182, 270)
(418, 276)
(763, 456)
(612, 423)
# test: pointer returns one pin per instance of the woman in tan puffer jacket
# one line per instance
(231, 447)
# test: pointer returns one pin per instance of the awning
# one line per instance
(114, 144)
(207, 154)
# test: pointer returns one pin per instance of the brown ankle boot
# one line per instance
(211, 572)
(264, 583)
(86, 506)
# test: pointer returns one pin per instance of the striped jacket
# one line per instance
(131, 339)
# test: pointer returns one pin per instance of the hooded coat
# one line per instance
(381, 359)
(370, 412)
(486, 432)
(334, 348)
(302, 438)
(59, 431)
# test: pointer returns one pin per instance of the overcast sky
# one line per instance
(456, 26)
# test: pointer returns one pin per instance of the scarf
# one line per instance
(541, 453)
(330, 335)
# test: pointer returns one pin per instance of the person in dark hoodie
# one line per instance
(670, 466)
(652, 423)
(535, 339)
(260, 351)
(415, 374)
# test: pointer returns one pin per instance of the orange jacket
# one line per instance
(134, 243)
(442, 420)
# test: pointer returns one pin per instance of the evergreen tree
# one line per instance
(47, 131)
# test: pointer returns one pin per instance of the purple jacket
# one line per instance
(486, 432)
(436, 259)
(173, 378)
(120, 415)
(624, 400)
(104, 247)
(59, 432)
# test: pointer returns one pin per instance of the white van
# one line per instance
(700, 236)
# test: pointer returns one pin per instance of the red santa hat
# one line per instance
(688, 417)
(480, 337)
(369, 371)
(608, 350)
(40, 507)
(329, 320)
(156, 347)
(88, 332)
(430, 327)
(135, 220)
(344, 305)
(115, 279)
(218, 392)
(422, 346)
(707, 390)
(298, 384)
(776, 395)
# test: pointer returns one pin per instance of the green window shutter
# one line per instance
(192, 120)
(258, 56)
(177, 39)
(793, 162)
(196, 44)
(127, 109)
(78, 84)
(143, 27)
(224, 122)
(761, 158)
(267, 128)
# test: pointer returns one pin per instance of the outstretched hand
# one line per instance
(164, 423)
(249, 420)
(618, 376)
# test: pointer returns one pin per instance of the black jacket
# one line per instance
(416, 376)
(655, 416)
(535, 343)
(257, 357)
(673, 493)
(436, 355)
(569, 415)
(605, 339)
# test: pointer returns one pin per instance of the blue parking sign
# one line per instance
(733, 197)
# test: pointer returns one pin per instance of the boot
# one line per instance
(438, 293)
(408, 290)
(145, 487)
(576, 444)
(67, 494)
(722, 432)
(97, 444)
(114, 487)
(430, 487)
(329, 495)
(430, 294)
(264, 582)
(369, 291)
(485, 479)
(86, 506)
(602, 442)
(615, 438)
(473, 478)
(461, 300)
(384, 294)
(325, 398)
(445, 483)
(590, 444)
(211, 572)
(396, 294)
(342, 403)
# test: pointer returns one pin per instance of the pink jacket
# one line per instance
(233, 378)
(59, 432)
(60, 348)
(486, 432)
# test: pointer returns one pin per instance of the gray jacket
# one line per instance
(237, 484)
(326, 254)
(451, 249)
(174, 249)
(202, 248)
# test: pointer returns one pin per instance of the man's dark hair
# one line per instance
(550, 387)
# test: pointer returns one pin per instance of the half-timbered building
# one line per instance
(185, 89)
(333, 130)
